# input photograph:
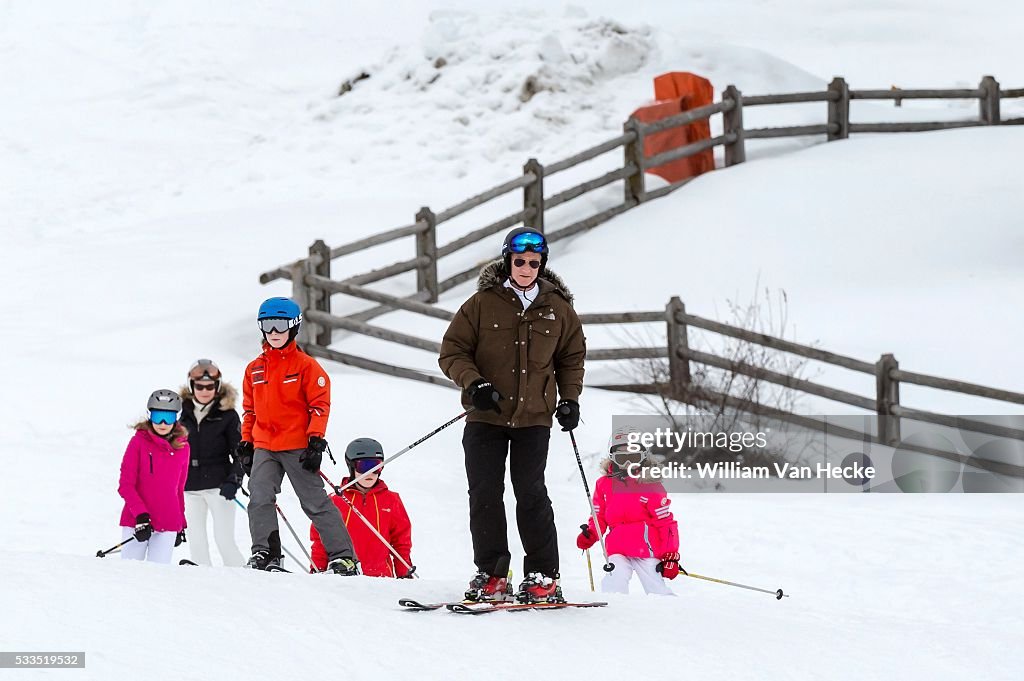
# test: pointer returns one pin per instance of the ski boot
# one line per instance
(347, 567)
(487, 587)
(262, 560)
(539, 588)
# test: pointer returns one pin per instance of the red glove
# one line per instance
(669, 566)
(586, 539)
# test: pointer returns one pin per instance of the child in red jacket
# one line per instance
(643, 537)
(381, 507)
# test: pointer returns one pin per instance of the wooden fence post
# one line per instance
(887, 391)
(678, 344)
(320, 299)
(838, 109)
(301, 294)
(533, 195)
(732, 122)
(634, 153)
(426, 245)
(989, 102)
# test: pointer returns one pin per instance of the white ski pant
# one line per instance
(157, 550)
(617, 581)
(223, 512)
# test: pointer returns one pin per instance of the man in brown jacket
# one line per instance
(510, 347)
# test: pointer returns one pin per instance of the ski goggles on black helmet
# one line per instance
(278, 325)
(361, 466)
(528, 241)
(622, 457)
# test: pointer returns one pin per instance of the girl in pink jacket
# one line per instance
(642, 534)
(153, 474)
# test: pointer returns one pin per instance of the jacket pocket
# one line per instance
(542, 341)
(550, 398)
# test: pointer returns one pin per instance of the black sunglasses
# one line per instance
(519, 262)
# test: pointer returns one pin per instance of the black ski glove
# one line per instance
(244, 454)
(568, 414)
(408, 575)
(314, 454)
(143, 527)
(180, 538)
(484, 395)
(229, 489)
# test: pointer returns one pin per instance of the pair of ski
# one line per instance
(482, 607)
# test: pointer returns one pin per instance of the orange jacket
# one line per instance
(385, 510)
(286, 398)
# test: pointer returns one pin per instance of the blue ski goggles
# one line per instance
(163, 417)
(528, 241)
(361, 466)
(278, 325)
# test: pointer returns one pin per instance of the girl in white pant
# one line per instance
(643, 537)
(208, 412)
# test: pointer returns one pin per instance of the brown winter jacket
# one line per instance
(525, 354)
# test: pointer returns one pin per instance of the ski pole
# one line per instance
(376, 533)
(101, 554)
(608, 566)
(297, 540)
(290, 529)
(777, 593)
(590, 570)
(391, 458)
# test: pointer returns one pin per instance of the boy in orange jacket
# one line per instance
(381, 507)
(286, 399)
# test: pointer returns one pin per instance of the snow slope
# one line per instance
(156, 158)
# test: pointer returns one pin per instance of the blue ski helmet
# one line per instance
(280, 308)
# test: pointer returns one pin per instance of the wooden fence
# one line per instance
(313, 287)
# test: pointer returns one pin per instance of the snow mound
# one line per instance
(484, 85)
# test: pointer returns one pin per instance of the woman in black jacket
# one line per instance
(214, 429)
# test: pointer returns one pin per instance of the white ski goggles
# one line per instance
(622, 457)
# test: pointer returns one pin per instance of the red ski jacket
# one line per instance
(384, 509)
(286, 398)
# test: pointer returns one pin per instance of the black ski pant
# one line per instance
(486, 448)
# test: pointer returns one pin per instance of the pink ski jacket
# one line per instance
(153, 478)
(636, 516)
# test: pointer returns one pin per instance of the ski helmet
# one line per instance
(280, 308)
(204, 369)
(617, 442)
(522, 239)
(363, 448)
(284, 309)
(164, 400)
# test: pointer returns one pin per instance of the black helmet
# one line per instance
(364, 448)
(522, 239)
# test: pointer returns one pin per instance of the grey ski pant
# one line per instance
(268, 470)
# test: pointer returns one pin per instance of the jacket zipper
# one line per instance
(151, 463)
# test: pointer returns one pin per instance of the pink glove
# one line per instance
(586, 539)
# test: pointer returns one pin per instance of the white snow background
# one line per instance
(156, 157)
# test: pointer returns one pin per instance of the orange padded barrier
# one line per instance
(677, 92)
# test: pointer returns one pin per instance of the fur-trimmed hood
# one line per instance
(494, 274)
(227, 396)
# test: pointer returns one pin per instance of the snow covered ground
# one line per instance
(156, 158)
